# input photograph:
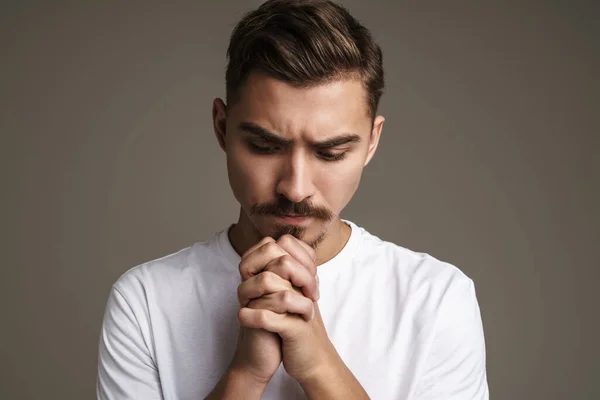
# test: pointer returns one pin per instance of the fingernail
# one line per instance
(318, 289)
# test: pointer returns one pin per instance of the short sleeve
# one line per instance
(455, 366)
(126, 369)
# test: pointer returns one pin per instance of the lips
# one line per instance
(292, 219)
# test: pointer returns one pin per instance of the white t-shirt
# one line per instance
(406, 324)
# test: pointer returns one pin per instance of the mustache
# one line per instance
(285, 207)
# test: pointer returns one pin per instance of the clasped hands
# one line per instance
(279, 316)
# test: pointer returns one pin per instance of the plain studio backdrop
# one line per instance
(488, 160)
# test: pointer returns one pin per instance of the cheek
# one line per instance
(339, 184)
(249, 177)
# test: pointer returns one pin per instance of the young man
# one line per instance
(292, 301)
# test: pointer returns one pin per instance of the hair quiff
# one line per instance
(304, 43)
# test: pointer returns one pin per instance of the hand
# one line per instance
(270, 302)
(258, 351)
(283, 257)
(306, 347)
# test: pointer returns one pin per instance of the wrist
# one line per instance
(244, 374)
(237, 383)
(245, 378)
(324, 368)
(332, 380)
(320, 373)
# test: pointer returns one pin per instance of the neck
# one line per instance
(244, 235)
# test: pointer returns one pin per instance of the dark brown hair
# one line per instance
(304, 43)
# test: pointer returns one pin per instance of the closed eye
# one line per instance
(263, 149)
(327, 156)
(272, 149)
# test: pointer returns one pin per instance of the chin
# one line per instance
(312, 234)
(266, 226)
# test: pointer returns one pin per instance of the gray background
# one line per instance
(488, 160)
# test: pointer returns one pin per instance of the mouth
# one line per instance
(292, 219)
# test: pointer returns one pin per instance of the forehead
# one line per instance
(317, 111)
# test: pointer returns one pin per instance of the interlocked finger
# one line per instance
(285, 302)
(253, 262)
(300, 251)
(292, 270)
(259, 285)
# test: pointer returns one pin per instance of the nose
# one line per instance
(295, 179)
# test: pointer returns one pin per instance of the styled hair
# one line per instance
(304, 43)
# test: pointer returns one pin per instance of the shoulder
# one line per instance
(419, 268)
(417, 277)
(160, 274)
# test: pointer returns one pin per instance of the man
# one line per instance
(292, 301)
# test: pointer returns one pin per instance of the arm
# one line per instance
(334, 382)
(455, 365)
(126, 369)
(270, 302)
(308, 354)
(237, 384)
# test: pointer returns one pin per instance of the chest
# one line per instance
(195, 339)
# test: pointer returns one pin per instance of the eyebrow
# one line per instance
(265, 134)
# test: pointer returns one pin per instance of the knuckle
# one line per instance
(309, 303)
(285, 296)
(270, 247)
(265, 278)
(267, 239)
(286, 239)
(243, 267)
(266, 242)
(262, 317)
(287, 262)
(263, 241)
(262, 278)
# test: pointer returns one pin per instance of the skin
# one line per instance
(291, 150)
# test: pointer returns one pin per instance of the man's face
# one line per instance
(295, 155)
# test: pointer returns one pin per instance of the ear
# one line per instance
(374, 138)
(219, 115)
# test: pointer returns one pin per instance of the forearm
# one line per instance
(237, 384)
(334, 382)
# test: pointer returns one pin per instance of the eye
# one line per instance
(262, 149)
(331, 156)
